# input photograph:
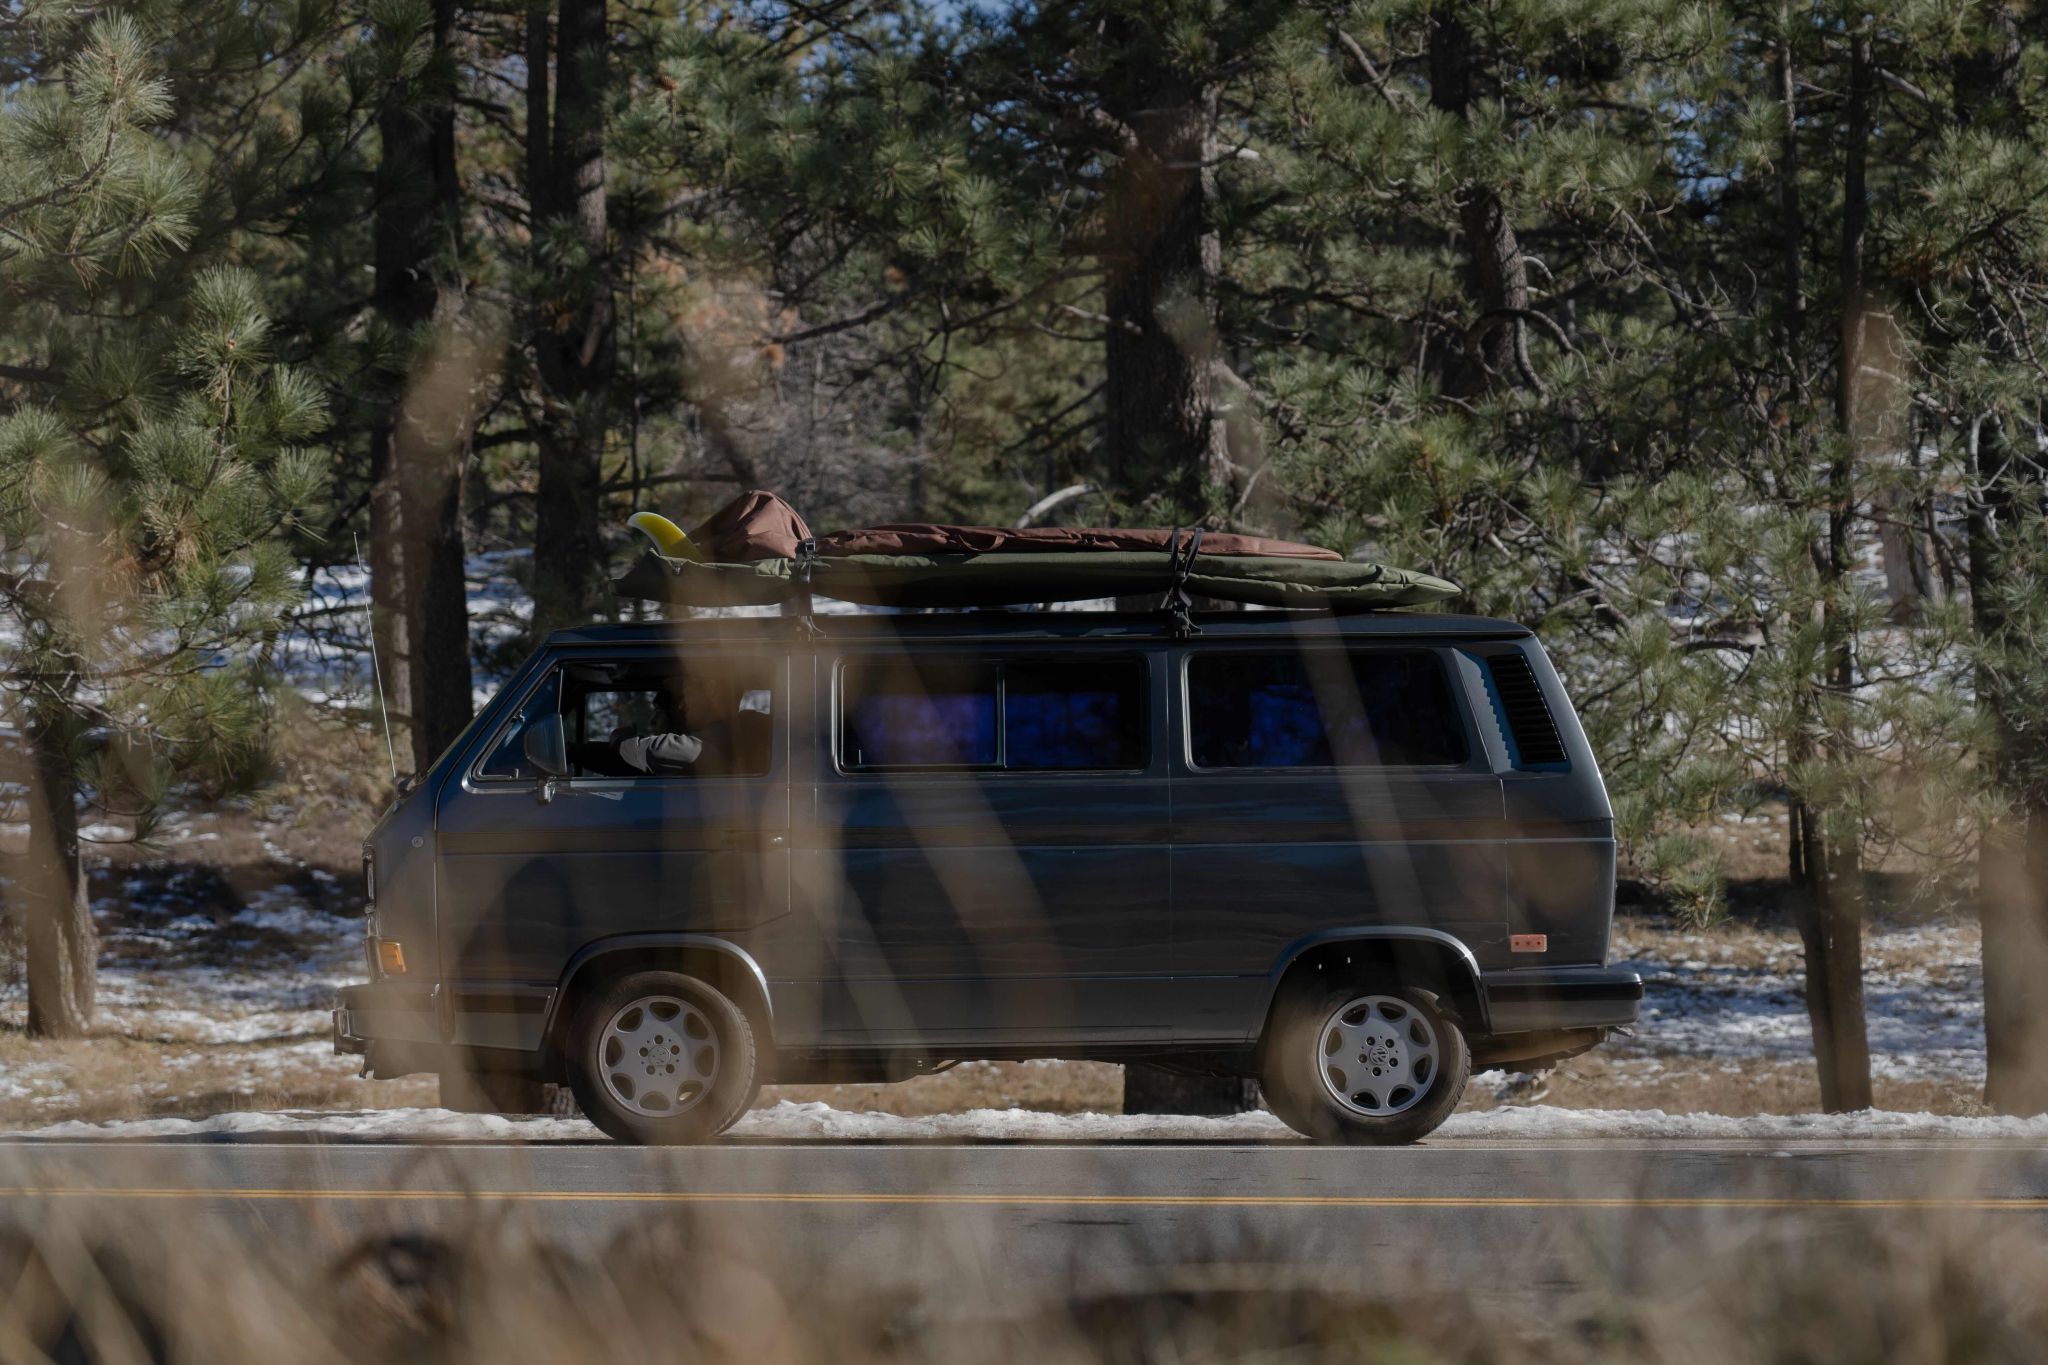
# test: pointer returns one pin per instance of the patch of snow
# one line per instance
(392, 1124)
(151, 989)
(35, 1081)
(1543, 1122)
(791, 1121)
(1923, 991)
(279, 911)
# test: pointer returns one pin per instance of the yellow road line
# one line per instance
(1340, 1201)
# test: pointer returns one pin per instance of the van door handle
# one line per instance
(754, 838)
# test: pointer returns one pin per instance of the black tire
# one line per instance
(1302, 1069)
(726, 1034)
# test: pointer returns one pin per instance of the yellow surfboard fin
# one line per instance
(670, 540)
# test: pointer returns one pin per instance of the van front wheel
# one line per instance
(1368, 1061)
(661, 1058)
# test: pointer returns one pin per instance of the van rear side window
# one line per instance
(1322, 709)
(1015, 715)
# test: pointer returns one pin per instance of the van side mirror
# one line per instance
(546, 748)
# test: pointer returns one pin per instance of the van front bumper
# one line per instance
(1530, 999)
(392, 1025)
(395, 1027)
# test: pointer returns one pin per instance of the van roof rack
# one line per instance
(1000, 579)
(758, 552)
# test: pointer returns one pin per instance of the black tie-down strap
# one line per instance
(806, 563)
(1180, 603)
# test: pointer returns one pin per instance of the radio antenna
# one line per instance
(376, 668)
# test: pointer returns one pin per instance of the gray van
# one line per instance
(1355, 857)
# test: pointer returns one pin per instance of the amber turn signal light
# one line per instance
(391, 957)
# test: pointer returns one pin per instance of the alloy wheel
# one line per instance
(1377, 1055)
(658, 1056)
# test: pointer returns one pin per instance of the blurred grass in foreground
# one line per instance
(121, 1285)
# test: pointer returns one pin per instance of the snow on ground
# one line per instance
(231, 991)
(1731, 998)
(789, 1121)
(295, 958)
(42, 1084)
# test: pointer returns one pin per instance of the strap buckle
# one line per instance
(806, 565)
(1180, 603)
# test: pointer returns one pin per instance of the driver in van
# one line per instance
(705, 750)
(703, 725)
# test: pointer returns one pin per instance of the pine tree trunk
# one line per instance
(63, 947)
(2012, 899)
(1826, 867)
(2012, 876)
(1497, 338)
(1166, 444)
(1828, 909)
(402, 246)
(433, 447)
(576, 349)
(437, 619)
(388, 634)
(1830, 902)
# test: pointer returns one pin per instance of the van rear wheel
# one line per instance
(1364, 1060)
(662, 1058)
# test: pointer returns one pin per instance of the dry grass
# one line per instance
(167, 910)
(107, 1077)
(1601, 1080)
(1904, 1290)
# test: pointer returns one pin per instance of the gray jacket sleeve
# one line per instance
(644, 751)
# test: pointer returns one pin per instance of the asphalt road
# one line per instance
(1509, 1223)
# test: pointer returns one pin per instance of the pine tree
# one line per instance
(147, 476)
(1480, 348)
(1980, 271)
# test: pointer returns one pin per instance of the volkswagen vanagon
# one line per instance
(1355, 857)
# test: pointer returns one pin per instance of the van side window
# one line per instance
(1061, 714)
(919, 716)
(1016, 715)
(636, 718)
(667, 718)
(1322, 709)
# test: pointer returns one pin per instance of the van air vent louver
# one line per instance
(1524, 713)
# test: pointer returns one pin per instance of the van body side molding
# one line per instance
(627, 943)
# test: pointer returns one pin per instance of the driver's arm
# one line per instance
(646, 753)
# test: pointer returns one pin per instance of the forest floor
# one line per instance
(224, 938)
